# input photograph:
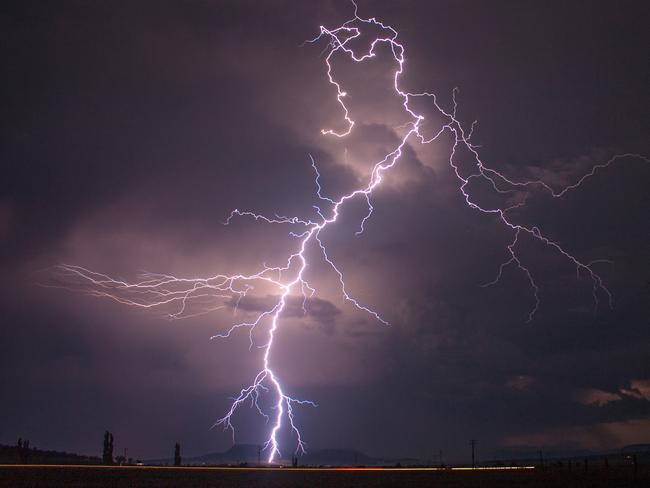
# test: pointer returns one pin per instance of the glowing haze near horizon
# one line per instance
(359, 40)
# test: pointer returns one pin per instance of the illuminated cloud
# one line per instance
(597, 397)
(639, 389)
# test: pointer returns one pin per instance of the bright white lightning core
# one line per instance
(189, 296)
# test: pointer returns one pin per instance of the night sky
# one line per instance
(130, 130)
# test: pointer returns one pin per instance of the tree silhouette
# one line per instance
(105, 450)
(23, 450)
(177, 454)
(110, 450)
(107, 455)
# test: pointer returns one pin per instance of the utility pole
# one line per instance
(259, 455)
(473, 443)
(440, 457)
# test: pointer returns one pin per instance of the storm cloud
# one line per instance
(130, 130)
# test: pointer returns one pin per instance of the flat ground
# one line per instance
(98, 476)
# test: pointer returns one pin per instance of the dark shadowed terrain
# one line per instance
(286, 478)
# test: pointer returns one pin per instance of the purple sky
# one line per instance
(131, 129)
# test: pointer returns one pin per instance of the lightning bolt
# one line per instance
(188, 297)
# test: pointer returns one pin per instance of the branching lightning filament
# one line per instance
(187, 297)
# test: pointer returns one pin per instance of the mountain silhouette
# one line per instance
(248, 453)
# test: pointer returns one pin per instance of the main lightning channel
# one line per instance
(189, 297)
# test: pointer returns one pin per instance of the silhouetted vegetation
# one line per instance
(23, 450)
(107, 453)
(177, 454)
(22, 453)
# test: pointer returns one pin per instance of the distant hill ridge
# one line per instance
(248, 453)
(636, 448)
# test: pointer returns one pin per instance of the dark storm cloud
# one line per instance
(321, 311)
(130, 130)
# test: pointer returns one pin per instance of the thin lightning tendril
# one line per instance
(190, 297)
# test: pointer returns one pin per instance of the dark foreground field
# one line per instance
(77, 476)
